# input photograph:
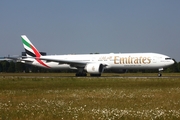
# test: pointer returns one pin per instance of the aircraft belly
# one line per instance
(55, 65)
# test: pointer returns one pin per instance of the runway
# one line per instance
(104, 75)
(88, 77)
(133, 77)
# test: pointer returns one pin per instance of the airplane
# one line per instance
(94, 64)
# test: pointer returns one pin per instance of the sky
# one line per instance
(91, 26)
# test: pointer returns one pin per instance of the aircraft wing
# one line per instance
(62, 61)
(19, 59)
(73, 63)
(4, 58)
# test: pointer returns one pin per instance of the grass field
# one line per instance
(91, 98)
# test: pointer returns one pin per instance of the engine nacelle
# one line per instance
(94, 68)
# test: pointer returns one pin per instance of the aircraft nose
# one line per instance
(172, 61)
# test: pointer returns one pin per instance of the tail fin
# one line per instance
(30, 49)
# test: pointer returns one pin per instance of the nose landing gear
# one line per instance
(160, 74)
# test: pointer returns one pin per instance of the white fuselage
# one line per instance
(111, 61)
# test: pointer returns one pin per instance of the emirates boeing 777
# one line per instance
(95, 64)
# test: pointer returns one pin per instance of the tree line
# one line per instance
(17, 67)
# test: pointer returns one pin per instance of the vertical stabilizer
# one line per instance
(30, 49)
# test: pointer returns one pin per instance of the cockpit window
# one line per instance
(168, 58)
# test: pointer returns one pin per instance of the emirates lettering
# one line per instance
(132, 60)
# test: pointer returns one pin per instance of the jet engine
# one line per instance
(94, 68)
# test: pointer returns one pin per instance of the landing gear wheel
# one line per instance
(159, 74)
(81, 74)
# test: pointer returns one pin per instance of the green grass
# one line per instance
(88, 98)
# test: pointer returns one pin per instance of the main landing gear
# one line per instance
(81, 74)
